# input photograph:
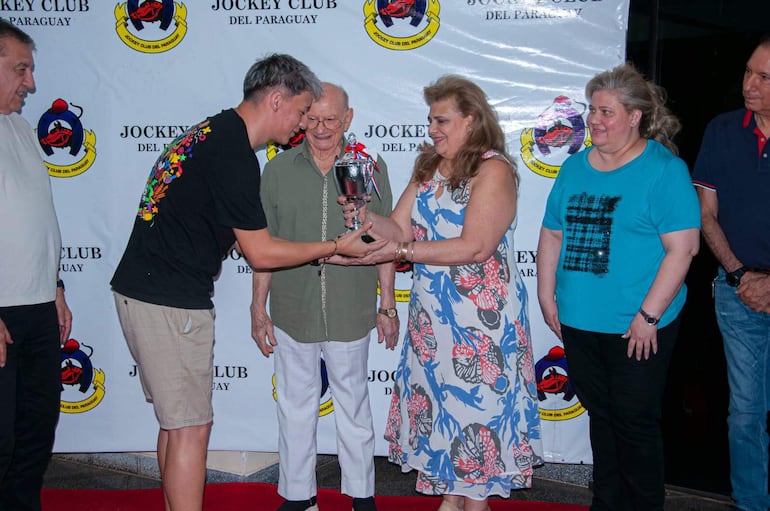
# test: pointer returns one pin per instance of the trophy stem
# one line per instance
(356, 219)
(356, 223)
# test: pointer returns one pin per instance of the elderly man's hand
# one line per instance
(262, 330)
(754, 291)
(387, 330)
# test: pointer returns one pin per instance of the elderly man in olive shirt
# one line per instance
(319, 310)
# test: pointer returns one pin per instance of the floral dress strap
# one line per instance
(494, 153)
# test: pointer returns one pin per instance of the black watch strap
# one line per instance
(649, 318)
(733, 278)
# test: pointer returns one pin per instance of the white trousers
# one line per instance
(298, 388)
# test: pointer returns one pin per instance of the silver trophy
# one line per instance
(353, 175)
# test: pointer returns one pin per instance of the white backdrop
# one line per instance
(122, 79)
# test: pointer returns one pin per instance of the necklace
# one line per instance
(440, 178)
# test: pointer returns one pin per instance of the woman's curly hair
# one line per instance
(485, 132)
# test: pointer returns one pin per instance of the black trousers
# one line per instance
(623, 398)
(30, 393)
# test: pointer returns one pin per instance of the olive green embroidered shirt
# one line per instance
(317, 303)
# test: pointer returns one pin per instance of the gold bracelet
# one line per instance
(401, 250)
(411, 251)
(335, 247)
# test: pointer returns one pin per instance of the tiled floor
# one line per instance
(549, 486)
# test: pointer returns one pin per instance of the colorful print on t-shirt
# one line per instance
(588, 231)
(169, 167)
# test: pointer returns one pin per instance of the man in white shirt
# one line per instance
(34, 317)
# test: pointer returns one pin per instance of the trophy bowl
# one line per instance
(354, 180)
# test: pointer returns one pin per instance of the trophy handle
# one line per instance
(369, 176)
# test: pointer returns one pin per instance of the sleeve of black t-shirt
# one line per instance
(233, 175)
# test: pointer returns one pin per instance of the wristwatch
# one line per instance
(391, 312)
(650, 319)
(733, 278)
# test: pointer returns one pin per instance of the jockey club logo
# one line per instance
(403, 24)
(560, 132)
(273, 148)
(552, 380)
(79, 380)
(60, 128)
(152, 19)
(327, 404)
(403, 284)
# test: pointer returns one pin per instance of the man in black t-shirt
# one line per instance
(201, 197)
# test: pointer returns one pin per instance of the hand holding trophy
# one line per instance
(354, 177)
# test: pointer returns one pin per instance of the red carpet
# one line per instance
(255, 497)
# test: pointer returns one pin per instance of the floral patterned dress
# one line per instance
(464, 409)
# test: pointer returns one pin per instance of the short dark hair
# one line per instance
(764, 41)
(8, 29)
(280, 71)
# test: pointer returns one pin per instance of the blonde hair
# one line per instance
(636, 93)
(485, 131)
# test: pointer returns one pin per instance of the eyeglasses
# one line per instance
(330, 123)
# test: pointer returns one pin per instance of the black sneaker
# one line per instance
(299, 505)
(366, 504)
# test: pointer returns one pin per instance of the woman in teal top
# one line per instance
(620, 229)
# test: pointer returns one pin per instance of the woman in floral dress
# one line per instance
(464, 412)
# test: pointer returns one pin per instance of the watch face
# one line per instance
(650, 319)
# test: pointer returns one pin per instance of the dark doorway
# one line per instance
(697, 50)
